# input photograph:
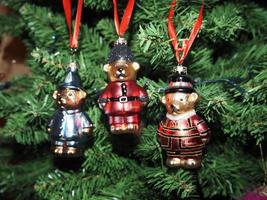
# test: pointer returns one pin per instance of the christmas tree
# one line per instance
(228, 62)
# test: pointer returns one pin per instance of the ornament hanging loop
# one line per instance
(181, 52)
(121, 40)
(67, 10)
(73, 55)
(73, 66)
(122, 27)
(73, 51)
(180, 69)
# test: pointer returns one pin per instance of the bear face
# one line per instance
(179, 102)
(69, 98)
(121, 70)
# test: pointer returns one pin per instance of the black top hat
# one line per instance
(180, 83)
(120, 51)
(72, 79)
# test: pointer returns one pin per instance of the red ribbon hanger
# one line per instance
(122, 27)
(187, 43)
(67, 9)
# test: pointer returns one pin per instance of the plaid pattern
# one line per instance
(185, 137)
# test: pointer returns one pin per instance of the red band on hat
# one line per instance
(187, 43)
(181, 84)
(67, 11)
(122, 27)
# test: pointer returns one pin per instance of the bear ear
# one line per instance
(106, 67)
(136, 66)
(163, 99)
(83, 93)
(55, 95)
(193, 97)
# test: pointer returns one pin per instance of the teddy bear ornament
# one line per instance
(182, 133)
(70, 126)
(123, 99)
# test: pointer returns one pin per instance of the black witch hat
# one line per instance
(72, 79)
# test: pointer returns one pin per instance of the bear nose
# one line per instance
(175, 107)
(62, 101)
(120, 71)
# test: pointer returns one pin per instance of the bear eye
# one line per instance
(181, 99)
(69, 94)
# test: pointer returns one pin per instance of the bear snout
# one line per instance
(120, 72)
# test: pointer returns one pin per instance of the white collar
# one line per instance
(185, 115)
(69, 112)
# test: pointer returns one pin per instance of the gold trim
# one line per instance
(190, 155)
(200, 122)
(189, 120)
(180, 136)
(179, 129)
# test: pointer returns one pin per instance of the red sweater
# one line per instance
(117, 89)
(122, 101)
(186, 136)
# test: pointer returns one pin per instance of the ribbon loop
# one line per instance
(67, 10)
(187, 43)
(122, 27)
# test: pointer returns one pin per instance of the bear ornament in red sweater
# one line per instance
(182, 133)
(123, 99)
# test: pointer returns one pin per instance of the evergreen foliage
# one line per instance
(228, 61)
